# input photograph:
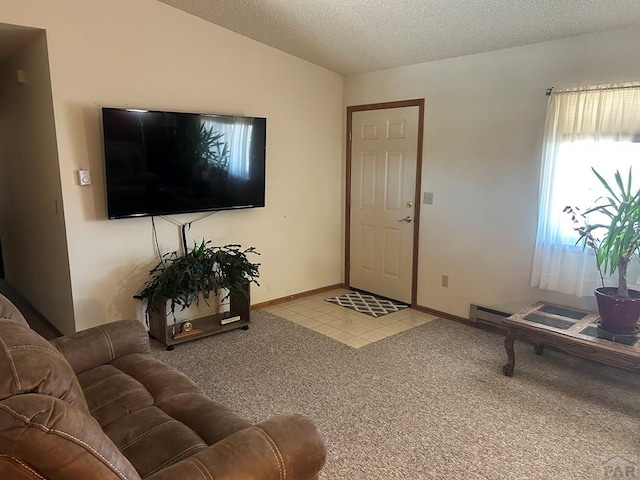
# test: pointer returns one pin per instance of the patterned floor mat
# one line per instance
(367, 304)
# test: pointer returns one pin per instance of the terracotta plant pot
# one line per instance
(618, 314)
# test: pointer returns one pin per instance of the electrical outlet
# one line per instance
(445, 281)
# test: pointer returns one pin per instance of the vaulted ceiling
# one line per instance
(352, 36)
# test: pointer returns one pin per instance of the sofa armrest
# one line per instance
(284, 447)
(102, 344)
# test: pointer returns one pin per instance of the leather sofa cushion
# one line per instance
(30, 364)
(152, 440)
(50, 438)
(141, 402)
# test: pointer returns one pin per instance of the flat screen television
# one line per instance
(162, 163)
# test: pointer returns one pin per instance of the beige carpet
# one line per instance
(430, 402)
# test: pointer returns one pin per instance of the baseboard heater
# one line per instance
(481, 314)
(495, 315)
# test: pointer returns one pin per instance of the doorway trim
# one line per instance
(418, 102)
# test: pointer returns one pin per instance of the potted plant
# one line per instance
(206, 270)
(615, 243)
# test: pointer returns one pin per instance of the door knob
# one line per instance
(406, 219)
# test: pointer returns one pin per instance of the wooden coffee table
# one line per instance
(572, 331)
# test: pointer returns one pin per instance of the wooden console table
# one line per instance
(572, 331)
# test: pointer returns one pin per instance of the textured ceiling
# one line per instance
(351, 36)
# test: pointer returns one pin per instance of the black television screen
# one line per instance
(161, 163)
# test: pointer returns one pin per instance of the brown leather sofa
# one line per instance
(97, 405)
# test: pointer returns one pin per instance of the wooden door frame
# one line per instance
(419, 102)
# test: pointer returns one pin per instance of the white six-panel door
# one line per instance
(383, 178)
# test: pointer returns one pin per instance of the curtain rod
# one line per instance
(550, 90)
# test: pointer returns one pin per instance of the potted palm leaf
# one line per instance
(615, 239)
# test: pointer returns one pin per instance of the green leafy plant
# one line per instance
(202, 272)
(620, 239)
(206, 147)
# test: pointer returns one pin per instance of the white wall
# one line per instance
(31, 209)
(483, 131)
(147, 54)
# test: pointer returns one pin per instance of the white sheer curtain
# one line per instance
(595, 127)
(237, 133)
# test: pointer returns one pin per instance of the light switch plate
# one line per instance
(428, 198)
(83, 177)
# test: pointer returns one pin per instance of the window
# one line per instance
(237, 134)
(596, 127)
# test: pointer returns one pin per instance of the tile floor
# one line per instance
(343, 324)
